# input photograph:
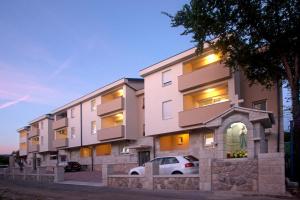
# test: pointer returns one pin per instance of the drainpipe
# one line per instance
(278, 115)
(92, 149)
(154, 147)
(80, 124)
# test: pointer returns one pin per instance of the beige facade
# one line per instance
(187, 104)
(23, 141)
(197, 90)
(106, 125)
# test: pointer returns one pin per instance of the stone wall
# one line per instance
(235, 175)
(126, 181)
(271, 173)
(176, 182)
(122, 168)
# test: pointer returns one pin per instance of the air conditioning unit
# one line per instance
(125, 150)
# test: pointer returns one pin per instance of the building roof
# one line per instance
(23, 128)
(46, 116)
(99, 91)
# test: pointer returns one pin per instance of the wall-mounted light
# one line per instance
(180, 140)
(211, 58)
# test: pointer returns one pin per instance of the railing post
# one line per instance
(150, 170)
(106, 171)
(59, 173)
(205, 180)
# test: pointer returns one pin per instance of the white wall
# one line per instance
(155, 94)
(87, 117)
(74, 122)
(46, 133)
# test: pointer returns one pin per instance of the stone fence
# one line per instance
(264, 174)
(41, 174)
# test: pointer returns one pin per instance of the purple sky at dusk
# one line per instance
(54, 51)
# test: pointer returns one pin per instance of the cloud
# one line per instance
(14, 102)
(65, 65)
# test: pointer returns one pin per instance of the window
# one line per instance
(61, 134)
(205, 97)
(93, 105)
(72, 112)
(63, 158)
(73, 135)
(170, 160)
(103, 149)
(208, 139)
(166, 110)
(174, 142)
(85, 152)
(236, 140)
(166, 78)
(93, 128)
(260, 105)
(53, 156)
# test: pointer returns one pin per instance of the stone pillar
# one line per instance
(205, 174)
(11, 162)
(24, 173)
(105, 174)
(38, 174)
(271, 173)
(149, 171)
(59, 172)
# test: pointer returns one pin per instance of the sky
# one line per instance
(52, 52)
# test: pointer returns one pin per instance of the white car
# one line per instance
(172, 165)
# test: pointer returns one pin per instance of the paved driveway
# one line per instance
(37, 191)
(84, 176)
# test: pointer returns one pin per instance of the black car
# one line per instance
(72, 166)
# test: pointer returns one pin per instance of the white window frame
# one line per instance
(164, 108)
(72, 113)
(163, 77)
(93, 131)
(73, 134)
(93, 105)
(205, 137)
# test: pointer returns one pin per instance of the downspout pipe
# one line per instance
(279, 97)
(81, 124)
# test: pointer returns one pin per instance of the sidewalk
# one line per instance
(31, 191)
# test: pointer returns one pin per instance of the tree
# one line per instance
(258, 37)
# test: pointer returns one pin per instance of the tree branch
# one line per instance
(288, 70)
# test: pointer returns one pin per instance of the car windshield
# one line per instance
(191, 158)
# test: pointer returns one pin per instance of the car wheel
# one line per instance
(134, 173)
(177, 172)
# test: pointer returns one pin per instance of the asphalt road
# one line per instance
(35, 191)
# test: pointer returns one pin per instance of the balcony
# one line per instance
(34, 131)
(33, 148)
(60, 143)
(111, 133)
(61, 123)
(23, 152)
(200, 77)
(200, 115)
(114, 105)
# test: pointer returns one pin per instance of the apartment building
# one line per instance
(105, 126)
(186, 104)
(40, 142)
(195, 105)
(23, 142)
